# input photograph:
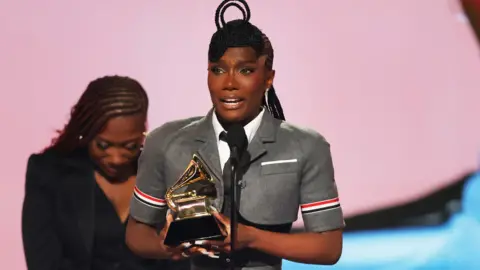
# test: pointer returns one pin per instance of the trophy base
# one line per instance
(192, 229)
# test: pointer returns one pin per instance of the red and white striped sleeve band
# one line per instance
(148, 199)
(320, 206)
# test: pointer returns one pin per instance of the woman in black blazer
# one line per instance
(78, 190)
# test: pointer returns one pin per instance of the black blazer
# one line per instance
(58, 213)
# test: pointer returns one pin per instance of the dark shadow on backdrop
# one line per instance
(433, 209)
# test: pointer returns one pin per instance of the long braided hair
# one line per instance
(105, 98)
(241, 33)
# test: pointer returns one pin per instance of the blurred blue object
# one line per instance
(454, 245)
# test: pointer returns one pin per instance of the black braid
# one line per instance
(241, 33)
(104, 98)
(272, 103)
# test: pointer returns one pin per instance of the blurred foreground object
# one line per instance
(472, 11)
(450, 246)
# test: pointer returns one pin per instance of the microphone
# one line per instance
(237, 141)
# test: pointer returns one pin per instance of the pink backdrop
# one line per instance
(392, 84)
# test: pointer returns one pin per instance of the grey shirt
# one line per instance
(290, 167)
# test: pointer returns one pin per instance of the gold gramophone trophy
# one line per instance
(190, 200)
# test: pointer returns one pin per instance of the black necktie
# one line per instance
(227, 181)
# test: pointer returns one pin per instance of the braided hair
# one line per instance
(104, 99)
(241, 33)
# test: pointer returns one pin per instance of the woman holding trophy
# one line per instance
(285, 167)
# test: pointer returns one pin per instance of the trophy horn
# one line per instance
(196, 182)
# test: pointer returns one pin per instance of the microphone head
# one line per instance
(236, 137)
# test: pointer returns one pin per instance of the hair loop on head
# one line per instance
(219, 14)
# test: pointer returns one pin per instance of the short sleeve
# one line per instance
(320, 205)
(148, 203)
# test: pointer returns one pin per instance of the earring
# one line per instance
(80, 137)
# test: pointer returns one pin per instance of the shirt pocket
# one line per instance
(279, 167)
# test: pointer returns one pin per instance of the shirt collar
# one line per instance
(250, 129)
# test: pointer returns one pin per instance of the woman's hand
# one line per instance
(245, 236)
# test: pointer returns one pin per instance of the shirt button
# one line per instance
(227, 260)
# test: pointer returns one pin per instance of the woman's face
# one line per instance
(237, 83)
(118, 145)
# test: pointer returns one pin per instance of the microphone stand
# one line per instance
(234, 159)
(237, 141)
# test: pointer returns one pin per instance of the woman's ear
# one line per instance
(270, 78)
